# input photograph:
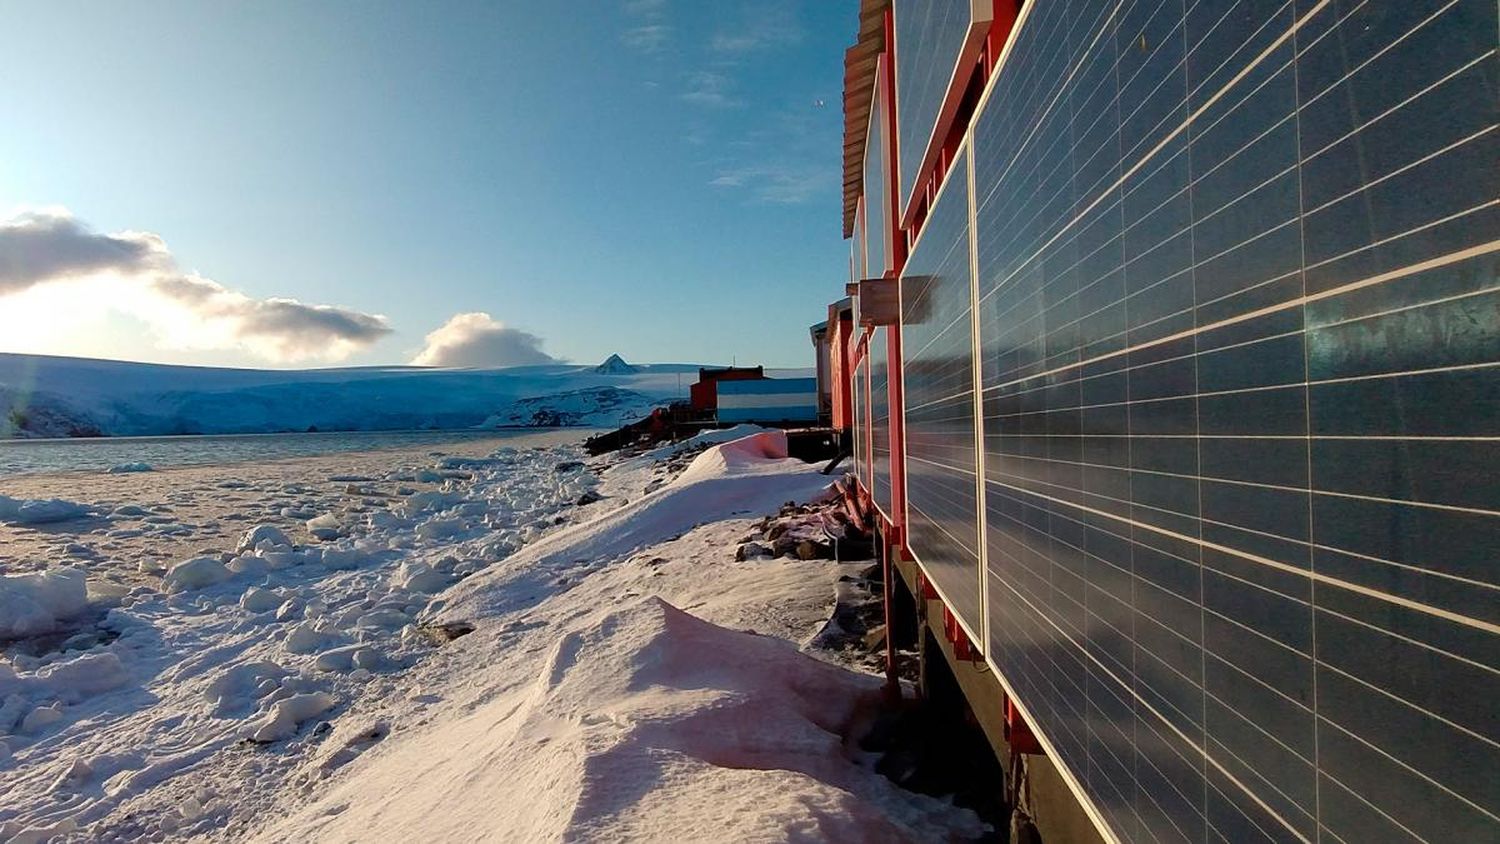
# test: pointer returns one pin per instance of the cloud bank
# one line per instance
(477, 340)
(43, 247)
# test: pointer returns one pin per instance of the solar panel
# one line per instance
(938, 367)
(932, 37)
(858, 395)
(880, 416)
(1239, 327)
(876, 196)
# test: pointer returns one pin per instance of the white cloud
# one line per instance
(710, 90)
(645, 7)
(135, 273)
(648, 32)
(41, 246)
(760, 26)
(476, 340)
(649, 38)
(779, 184)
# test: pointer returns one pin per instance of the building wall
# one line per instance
(1233, 271)
(768, 400)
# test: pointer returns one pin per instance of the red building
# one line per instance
(704, 395)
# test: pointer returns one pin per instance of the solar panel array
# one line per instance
(1239, 329)
(937, 339)
(858, 397)
(930, 34)
(880, 420)
(876, 195)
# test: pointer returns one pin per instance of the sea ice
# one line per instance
(39, 511)
(195, 574)
(128, 468)
(37, 603)
(263, 537)
(258, 600)
(287, 714)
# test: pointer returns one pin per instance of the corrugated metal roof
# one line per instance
(859, 85)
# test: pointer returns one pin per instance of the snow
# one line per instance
(616, 365)
(523, 668)
(39, 603)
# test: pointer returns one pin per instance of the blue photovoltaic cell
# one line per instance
(937, 343)
(930, 35)
(880, 419)
(877, 200)
(857, 395)
(857, 259)
(1239, 327)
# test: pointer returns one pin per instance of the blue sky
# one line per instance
(654, 178)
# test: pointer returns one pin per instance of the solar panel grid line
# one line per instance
(1439, 612)
(1462, 69)
(1253, 484)
(1440, 786)
(1372, 807)
(1404, 168)
(1164, 720)
(1472, 251)
(1245, 42)
(1392, 275)
(1427, 713)
(1472, 663)
(1255, 389)
(1190, 119)
(1382, 52)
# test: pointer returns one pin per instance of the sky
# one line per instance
(292, 184)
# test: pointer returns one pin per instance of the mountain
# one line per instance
(44, 396)
(616, 365)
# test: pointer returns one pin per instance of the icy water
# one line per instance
(24, 457)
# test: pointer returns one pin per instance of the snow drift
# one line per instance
(641, 723)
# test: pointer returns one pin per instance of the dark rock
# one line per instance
(568, 466)
(588, 498)
(807, 549)
(442, 634)
(750, 551)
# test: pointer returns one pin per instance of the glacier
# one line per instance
(45, 396)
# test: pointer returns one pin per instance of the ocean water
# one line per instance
(22, 457)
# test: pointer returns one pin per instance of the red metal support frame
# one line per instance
(888, 578)
(1018, 733)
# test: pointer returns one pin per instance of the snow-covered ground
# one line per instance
(467, 646)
